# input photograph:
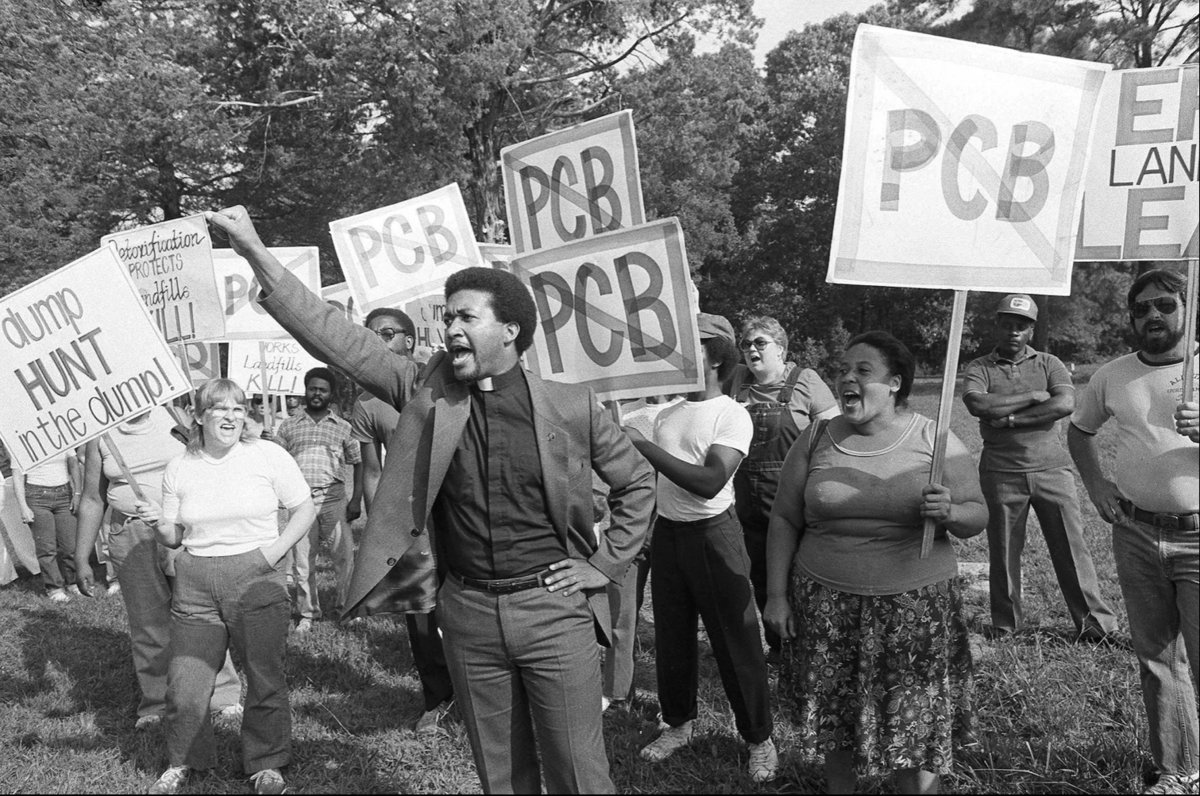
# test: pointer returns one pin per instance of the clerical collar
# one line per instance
(501, 382)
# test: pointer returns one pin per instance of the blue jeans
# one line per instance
(330, 524)
(1159, 570)
(1054, 498)
(53, 533)
(139, 564)
(223, 601)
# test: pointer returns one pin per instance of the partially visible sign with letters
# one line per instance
(284, 362)
(245, 318)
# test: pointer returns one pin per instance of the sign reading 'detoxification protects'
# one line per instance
(79, 354)
(245, 318)
(573, 184)
(962, 166)
(284, 361)
(171, 265)
(616, 312)
(1142, 199)
(390, 255)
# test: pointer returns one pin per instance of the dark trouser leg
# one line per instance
(676, 621)
(1007, 497)
(1056, 503)
(255, 606)
(755, 536)
(429, 658)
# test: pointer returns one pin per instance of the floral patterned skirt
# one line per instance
(886, 679)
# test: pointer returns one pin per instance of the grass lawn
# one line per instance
(1053, 716)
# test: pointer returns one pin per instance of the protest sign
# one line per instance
(1141, 198)
(79, 354)
(573, 184)
(200, 361)
(962, 165)
(245, 318)
(283, 361)
(497, 255)
(390, 255)
(339, 296)
(171, 265)
(616, 312)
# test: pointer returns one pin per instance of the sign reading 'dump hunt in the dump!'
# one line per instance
(573, 184)
(79, 354)
(962, 166)
(171, 264)
(616, 312)
(1142, 196)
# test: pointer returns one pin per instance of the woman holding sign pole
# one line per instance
(219, 503)
(880, 671)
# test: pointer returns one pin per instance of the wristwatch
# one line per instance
(1011, 420)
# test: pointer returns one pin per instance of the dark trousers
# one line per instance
(624, 604)
(53, 533)
(700, 570)
(754, 534)
(219, 601)
(429, 658)
(525, 666)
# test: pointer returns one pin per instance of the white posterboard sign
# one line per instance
(573, 184)
(962, 165)
(200, 361)
(339, 296)
(245, 318)
(497, 255)
(616, 312)
(1141, 198)
(171, 265)
(391, 254)
(79, 354)
(284, 361)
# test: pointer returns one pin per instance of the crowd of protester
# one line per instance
(515, 522)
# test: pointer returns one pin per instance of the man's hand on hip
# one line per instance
(573, 574)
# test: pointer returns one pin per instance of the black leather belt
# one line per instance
(505, 585)
(1162, 519)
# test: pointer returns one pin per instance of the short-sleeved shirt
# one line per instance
(1029, 448)
(810, 397)
(321, 449)
(687, 430)
(52, 471)
(228, 506)
(146, 447)
(373, 420)
(1156, 467)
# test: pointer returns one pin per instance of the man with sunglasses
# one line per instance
(372, 422)
(1019, 395)
(1154, 506)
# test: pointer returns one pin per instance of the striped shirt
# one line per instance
(321, 449)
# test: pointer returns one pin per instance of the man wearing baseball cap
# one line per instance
(698, 563)
(1019, 395)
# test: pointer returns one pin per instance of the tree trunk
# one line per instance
(486, 185)
(169, 198)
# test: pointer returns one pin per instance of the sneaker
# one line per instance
(604, 703)
(269, 780)
(428, 721)
(227, 716)
(1114, 640)
(668, 742)
(58, 596)
(1174, 783)
(113, 590)
(146, 723)
(303, 626)
(171, 780)
(764, 760)
(74, 589)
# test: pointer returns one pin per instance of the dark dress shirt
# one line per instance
(492, 504)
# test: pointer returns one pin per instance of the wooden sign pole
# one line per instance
(1189, 332)
(116, 454)
(949, 374)
(268, 407)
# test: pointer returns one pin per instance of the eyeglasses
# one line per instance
(389, 334)
(1165, 306)
(759, 343)
(236, 412)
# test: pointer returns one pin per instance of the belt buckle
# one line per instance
(1168, 521)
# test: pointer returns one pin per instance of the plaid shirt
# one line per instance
(321, 449)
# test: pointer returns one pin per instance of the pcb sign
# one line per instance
(573, 184)
(1142, 199)
(389, 255)
(962, 165)
(79, 354)
(616, 312)
(245, 318)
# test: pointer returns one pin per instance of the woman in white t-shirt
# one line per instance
(219, 503)
(48, 496)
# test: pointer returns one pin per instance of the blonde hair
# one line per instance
(209, 395)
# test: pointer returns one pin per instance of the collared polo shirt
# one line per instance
(1030, 448)
(491, 510)
(321, 449)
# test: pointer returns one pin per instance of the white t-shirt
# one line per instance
(687, 430)
(1157, 468)
(227, 506)
(51, 472)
